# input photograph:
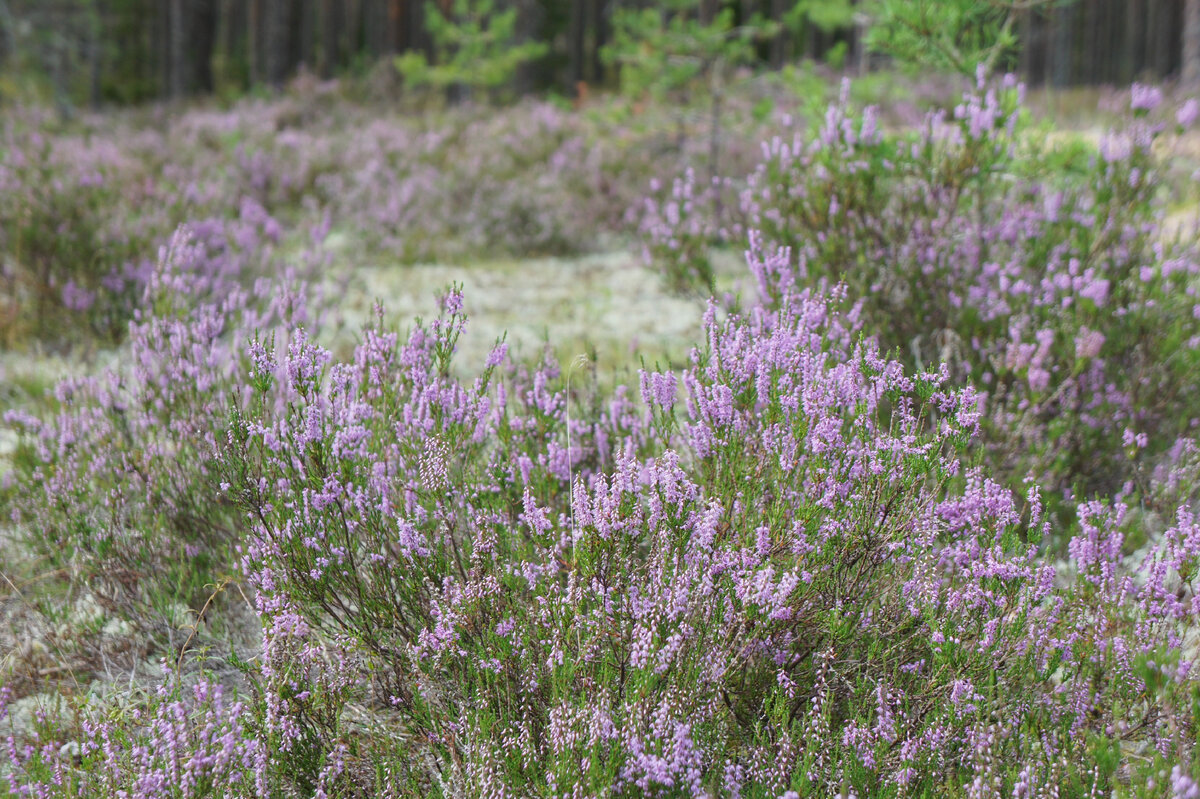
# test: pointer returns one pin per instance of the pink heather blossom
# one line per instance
(1182, 784)
(1144, 98)
(1116, 147)
(1131, 439)
(1088, 343)
(497, 355)
(1188, 112)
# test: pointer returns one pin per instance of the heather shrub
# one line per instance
(61, 254)
(787, 582)
(786, 579)
(683, 234)
(1034, 272)
(431, 457)
(83, 207)
(113, 481)
(85, 203)
(186, 741)
(806, 563)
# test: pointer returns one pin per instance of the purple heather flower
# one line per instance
(1182, 784)
(1144, 98)
(1187, 113)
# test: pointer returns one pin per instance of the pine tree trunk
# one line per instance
(177, 61)
(306, 31)
(1061, 46)
(95, 33)
(275, 31)
(779, 40)
(200, 25)
(397, 34)
(253, 40)
(575, 43)
(600, 17)
(1191, 45)
(8, 43)
(329, 38)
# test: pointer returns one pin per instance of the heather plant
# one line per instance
(62, 255)
(191, 735)
(775, 573)
(80, 214)
(1041, 279)
(87, 203)
(787, 582)
(808, 562)
(113, 481)
(394, 430)
(683, 234)
(187, 741)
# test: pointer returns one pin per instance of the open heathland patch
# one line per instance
(900, 502)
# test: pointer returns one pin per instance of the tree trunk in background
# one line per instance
(356, 27)
(1118, 37)
(375, 28)
(1157, 16)
(528, 29)
(600, 17)
(397, 33)
(1090, 43)
(95, 34)
(575, 52)
(1102, 54)
(276, 14)
(1131, 53)
(329, 36)
(1061, 52)
(253, 37)
(1191, 46)
(8, 43)
(1025, 54)
(201, 27)
(308, 35)
(176, 49)
(1095, 52)
(419, 39)
(777, 52)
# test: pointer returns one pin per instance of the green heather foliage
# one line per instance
(830, 556)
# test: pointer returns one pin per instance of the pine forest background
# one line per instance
(96, 52)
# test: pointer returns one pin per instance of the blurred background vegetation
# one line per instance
(81, 53)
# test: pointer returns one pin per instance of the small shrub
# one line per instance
(115, 483)
(1034, 273)
(797, 586)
